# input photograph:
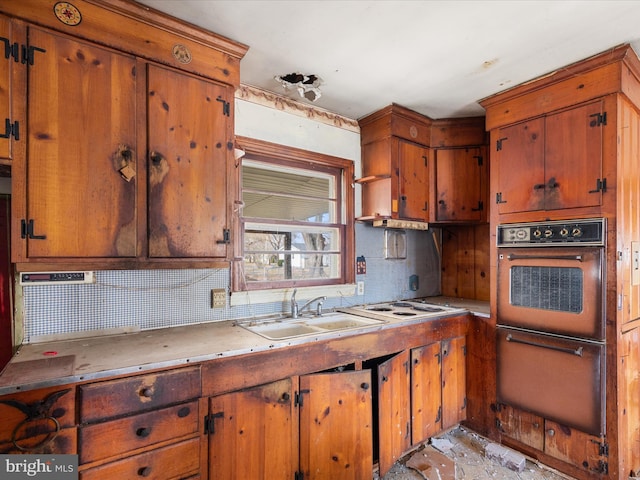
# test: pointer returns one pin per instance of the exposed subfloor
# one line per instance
(467, 450)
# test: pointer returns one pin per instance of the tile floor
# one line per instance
(468, 453)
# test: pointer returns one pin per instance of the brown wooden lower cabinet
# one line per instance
(317, 424)
(421, 392)
(569, 445)
(211, 421)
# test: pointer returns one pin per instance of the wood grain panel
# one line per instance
(171, 462)
(454, 393)
(108, 439)
(76, 195)
(113, 398)
(426, 392)
(336, 426)
(394, 414)
(254, 433)
(189, 140)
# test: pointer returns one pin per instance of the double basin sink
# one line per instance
(283, 328)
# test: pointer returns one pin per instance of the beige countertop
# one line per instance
(477, 307)
(70, 361)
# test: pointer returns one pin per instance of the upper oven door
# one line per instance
(554, 290)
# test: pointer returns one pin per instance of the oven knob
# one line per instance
(576, 232)
(564, 232)
(537, 233)
(548, 233)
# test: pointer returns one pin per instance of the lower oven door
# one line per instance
(557, 378)
(555, 290)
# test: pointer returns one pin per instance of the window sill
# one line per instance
(284, 294)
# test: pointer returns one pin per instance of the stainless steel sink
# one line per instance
(283, 328)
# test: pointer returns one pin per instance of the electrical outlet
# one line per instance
(360, 288)
(218, 298)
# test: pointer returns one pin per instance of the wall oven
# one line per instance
(550, 317)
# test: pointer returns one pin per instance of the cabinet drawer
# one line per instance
(111, 438)
(177, 461)
(114, 398)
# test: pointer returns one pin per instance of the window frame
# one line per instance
(295, 157)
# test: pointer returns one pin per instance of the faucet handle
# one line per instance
(319, 309)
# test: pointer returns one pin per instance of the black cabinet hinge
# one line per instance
(439, 414)
(499, 143)
(464, 403)
(26, 230)
(226, 106)
(479, 159)
(11, 49)
(598, 119)
(603, 448)
(601, 186)
(28, 53)
(209, 422)
(11, 129)
(299, 399)
(226, 237)
(603, 467)
(479, 208)
(299, 476)
(499, 198)
(426, 160)
(20, 53)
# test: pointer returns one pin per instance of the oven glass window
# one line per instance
(548, 288)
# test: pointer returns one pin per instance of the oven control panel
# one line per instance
(571, 232)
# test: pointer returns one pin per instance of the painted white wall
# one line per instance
(277, 126)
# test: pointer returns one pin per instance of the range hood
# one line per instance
(405, 224)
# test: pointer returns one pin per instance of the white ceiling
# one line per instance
(433, 56)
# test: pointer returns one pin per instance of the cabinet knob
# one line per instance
(286, 397)
(144, 471)
(143, 432)
(146, 392)
(364, 386)
(156, 158)
(551, 432)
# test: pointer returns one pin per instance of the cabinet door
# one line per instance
(335, 426)
(574, 447)
(426, 392)
(414, 181)
(12, 85)
(522, 426)
(519, 164)
(454, 392)
(460, 180)
(253, 434)
(394, 422)
(189, 139)
(573, 157)
(82, 132)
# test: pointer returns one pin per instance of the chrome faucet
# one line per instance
(296, 310)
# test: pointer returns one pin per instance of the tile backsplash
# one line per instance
(129, 300)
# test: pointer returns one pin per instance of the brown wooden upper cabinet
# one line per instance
(12, 84)
(460, 184)
(418, 169)
(129, 145)
(551, 162)
(395, 165)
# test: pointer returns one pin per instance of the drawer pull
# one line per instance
(184, 412)
(146, 392)
(144, 471)
(143, 432)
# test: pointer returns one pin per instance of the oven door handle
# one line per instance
(515, 256)
(577, 351)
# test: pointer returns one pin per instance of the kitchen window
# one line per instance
(296, 218)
